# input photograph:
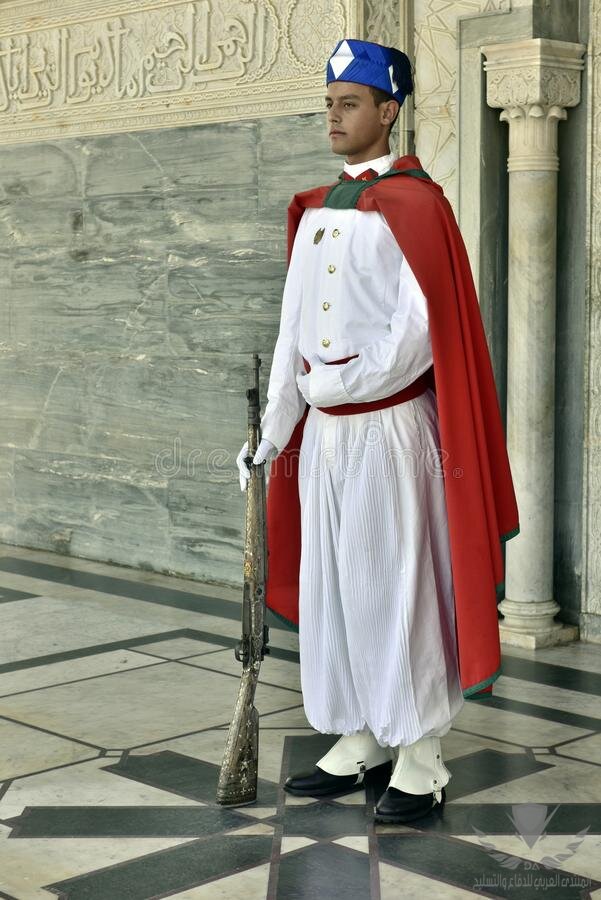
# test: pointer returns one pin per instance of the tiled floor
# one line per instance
(116, 688)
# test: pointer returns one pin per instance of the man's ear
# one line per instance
(390, 111)
(395, 108)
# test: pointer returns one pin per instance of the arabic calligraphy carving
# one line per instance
(176, 48)
(93, 67)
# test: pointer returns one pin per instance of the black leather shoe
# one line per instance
(396, 807)
(319, 783)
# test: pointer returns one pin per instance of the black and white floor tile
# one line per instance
(116, 689)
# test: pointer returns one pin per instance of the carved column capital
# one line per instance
(533, 82)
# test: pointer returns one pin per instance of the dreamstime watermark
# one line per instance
(530, 821)
(367, 458)
(172, 462)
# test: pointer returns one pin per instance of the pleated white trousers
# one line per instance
(377, 625)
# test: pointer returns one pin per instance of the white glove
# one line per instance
(266, 451)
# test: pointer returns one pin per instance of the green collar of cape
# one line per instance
(345, 194)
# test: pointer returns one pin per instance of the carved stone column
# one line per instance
(532, 81)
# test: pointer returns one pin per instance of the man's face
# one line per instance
(354, 121)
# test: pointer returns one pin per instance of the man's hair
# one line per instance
(381, 96)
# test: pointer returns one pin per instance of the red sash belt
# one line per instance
(410, 392)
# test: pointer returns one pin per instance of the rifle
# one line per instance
(239, 770)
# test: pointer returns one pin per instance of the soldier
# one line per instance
(389, 488)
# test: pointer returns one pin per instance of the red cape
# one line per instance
(480, 499)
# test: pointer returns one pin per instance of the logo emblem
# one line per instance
(530, 820)
(318, 235)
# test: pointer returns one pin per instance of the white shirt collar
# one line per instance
(381, 164)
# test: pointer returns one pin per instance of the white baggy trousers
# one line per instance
(376, 613)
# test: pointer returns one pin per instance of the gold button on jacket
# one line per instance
(325, 305)
(331, 268)
(336, 232)
(325, 342)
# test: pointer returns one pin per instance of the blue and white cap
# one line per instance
(364, 62)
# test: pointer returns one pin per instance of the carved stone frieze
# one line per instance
(86, 68)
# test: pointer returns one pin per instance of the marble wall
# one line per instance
(140, 270)
(138, 273)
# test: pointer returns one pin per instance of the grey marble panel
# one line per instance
(5, 266)
(294, 155)
(40, 196)
(27, 222)
(138, 274)
(65, 502)
(25, 386)
(83, 300)
(179, 157)
(229, 306)
(7, 493)
(205, 513)
(111, 224)
(39, 171)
